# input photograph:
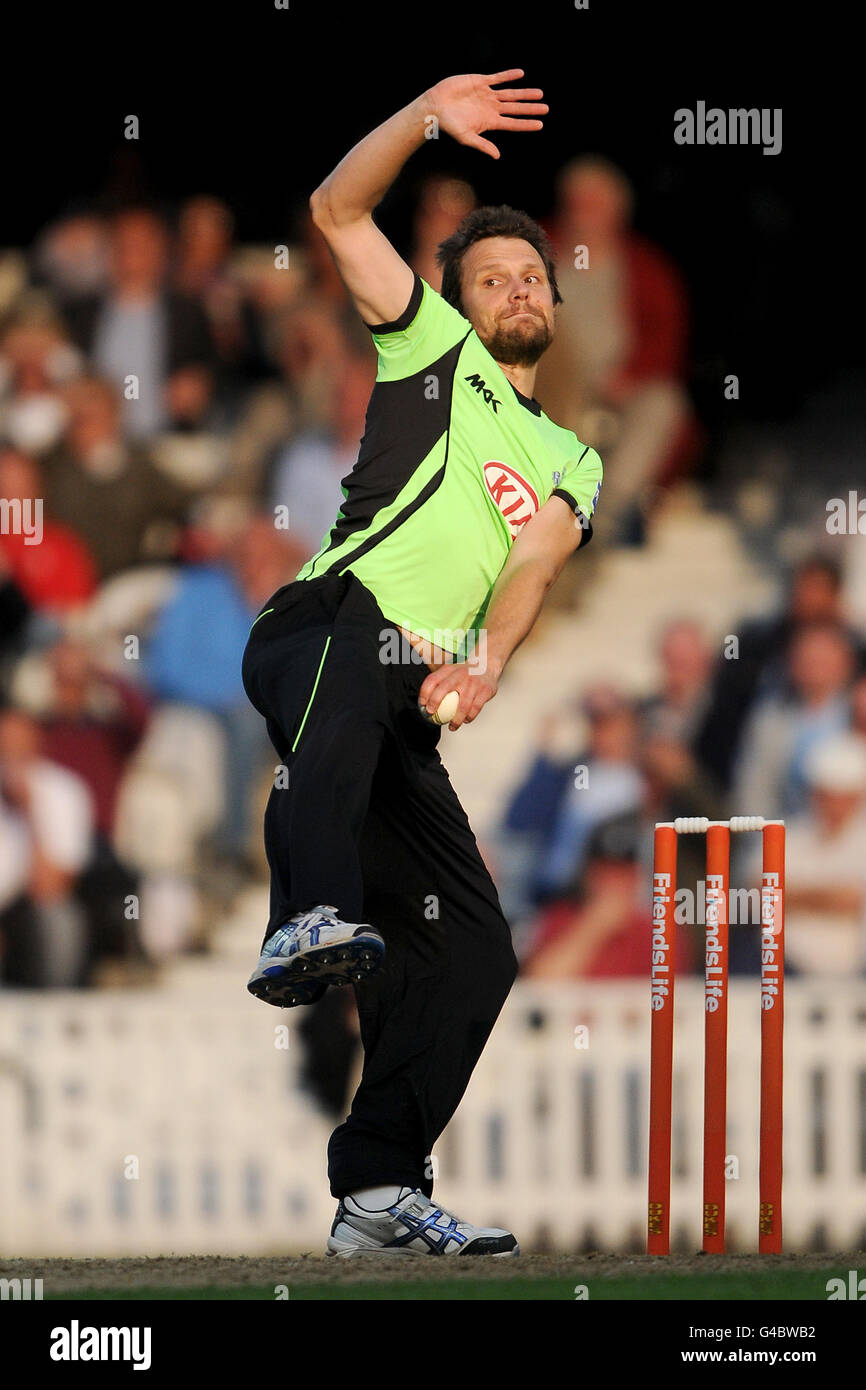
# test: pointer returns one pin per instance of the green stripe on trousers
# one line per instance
(313, 696)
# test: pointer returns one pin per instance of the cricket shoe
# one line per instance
(414, 1225)
(313, 950)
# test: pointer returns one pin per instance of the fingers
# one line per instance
(435, 687)
(520, 94)
(428, 691)
(460, 719)
(478, 142)
(509, 75)
(474, 694)
(516, 108)
(477, 699)
(510, 123)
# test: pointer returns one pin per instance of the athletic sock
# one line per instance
(376, 1198)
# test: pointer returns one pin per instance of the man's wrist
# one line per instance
(492, 662)
(429, 103)
(418, 114)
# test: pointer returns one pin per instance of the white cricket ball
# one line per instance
(448, 708)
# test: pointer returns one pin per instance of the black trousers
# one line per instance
(370, 823)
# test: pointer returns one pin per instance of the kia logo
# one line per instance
(512, 494)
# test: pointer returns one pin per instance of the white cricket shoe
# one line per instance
(313, 950)
(414, 1225)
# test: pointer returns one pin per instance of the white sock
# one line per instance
(376, 1198)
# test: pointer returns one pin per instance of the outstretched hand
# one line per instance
(466, 106)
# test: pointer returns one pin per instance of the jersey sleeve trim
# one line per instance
(408, 314)
(586, 524)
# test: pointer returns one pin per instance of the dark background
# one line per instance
(257, 104)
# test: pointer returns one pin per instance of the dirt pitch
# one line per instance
(213, 1271)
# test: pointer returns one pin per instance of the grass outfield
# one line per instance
(606, 1278)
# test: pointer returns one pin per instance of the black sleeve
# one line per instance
(585, 522)
(407, 315)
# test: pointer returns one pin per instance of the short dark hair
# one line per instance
(479, 224)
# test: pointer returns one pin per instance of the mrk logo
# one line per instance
(483, 390)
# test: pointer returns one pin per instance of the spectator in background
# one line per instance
(684, 657)
(203, 271)
(759, 667)
(324, 284)
(71, 257)
(442, 203)
(561, 802)
(769, 777)
(604, 931)
(659, 770)
(108, 491)
(46, 827)
(35, 363)
(858, 708)
(324, 288)
(312, 352)
(677, 783)
(139, 327)
(194, 655)
(825, 876)
(308, 474)
(615, 371)
(57, 572)
(92, 723)
(14, 613)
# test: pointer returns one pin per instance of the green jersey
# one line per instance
(453, 462)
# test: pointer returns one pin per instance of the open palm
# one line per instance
(468, 105)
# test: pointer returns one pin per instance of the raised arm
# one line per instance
(378, 279)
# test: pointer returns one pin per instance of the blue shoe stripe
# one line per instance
(425, 1227)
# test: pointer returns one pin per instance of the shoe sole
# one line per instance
(345, 1252)
(304, 978)
(286, 993)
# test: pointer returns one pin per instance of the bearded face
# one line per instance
(507, 297)
(518, 339)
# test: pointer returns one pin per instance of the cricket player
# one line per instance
(463, 506)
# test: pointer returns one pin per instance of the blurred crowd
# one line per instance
(162, 392)
(177, 412)
(774, 724)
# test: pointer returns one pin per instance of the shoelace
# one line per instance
(330, 912)
(304, 922)
(419, 1204)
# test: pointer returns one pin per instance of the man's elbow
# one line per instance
(540, 570)
(327, 216)
(552, 569)
(320, 208)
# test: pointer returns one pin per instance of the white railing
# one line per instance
(550, 1140)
